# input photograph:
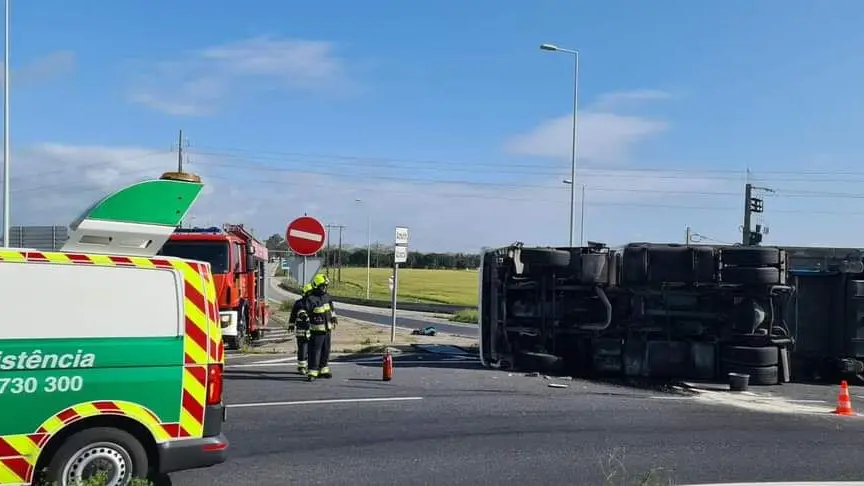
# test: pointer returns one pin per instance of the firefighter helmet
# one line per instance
(320, 280)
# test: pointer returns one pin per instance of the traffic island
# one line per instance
(357, 337)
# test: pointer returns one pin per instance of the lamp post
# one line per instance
(6, 149)
(582, 211)
(368, 248)
(574, 141)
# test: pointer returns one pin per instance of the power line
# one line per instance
(444, 165)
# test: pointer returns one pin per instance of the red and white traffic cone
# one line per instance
(387, 367)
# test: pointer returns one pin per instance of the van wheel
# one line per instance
(102, 451)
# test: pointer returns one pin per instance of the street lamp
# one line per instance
(575, 53)
(6, 149)
(368, 248)
(582, 210)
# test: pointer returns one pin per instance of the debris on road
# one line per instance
(425, 331)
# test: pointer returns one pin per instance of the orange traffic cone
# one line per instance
(844, 402)
(387, 366)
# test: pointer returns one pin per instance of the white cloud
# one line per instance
(615, 99)
(604, 136)
(41, 69)
(52, 183)
(197, 83)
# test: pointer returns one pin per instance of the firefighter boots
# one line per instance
(325, 372)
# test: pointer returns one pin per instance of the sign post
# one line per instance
(400, 255)
(305, 237)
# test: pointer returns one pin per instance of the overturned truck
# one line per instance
(647, 310)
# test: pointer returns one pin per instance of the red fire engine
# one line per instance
(238, 262)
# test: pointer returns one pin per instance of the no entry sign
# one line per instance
(305, 236)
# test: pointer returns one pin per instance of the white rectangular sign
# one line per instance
(401, 235)
(400, 254)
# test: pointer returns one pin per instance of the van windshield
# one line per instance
(213, 252)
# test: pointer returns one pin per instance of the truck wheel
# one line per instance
(750, 275)
(750, 356)
(750, 257)
(100, 451)
(546, 257)
(759, 375)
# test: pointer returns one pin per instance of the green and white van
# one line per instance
(111, 357)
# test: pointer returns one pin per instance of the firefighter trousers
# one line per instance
(302, 350)
(319, 354)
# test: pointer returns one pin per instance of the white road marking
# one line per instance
(305, 235)
(808, 401)
(671, 397)
(322, 402)
(277, 360)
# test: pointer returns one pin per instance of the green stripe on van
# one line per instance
(40, 377)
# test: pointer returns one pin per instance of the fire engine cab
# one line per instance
(238, 261)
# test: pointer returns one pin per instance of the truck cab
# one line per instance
(238, 261)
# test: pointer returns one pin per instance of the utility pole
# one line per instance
(338, 261)
(748, 194)
(752, 205)
(327, 256)
(180, 152)
(688, 236)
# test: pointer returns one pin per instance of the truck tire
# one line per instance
(545, 257)
(750, 256)
(124, 455)
(750, 356)
(759, 375)
(750, 275)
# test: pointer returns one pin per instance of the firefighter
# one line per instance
(322, 318)
(300, 318)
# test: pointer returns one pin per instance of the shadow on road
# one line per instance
(263, 375)
(449, 364)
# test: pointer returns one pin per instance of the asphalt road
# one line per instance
(455, 423)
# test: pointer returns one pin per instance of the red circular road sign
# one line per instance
(305, 236)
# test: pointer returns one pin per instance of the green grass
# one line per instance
(455, 287)
(469, 316)
(101, 479)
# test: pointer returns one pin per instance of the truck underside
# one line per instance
(657, 311)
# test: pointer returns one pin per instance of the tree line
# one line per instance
(381, 256)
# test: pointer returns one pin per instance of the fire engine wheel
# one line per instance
(750, 256)
(105, 452)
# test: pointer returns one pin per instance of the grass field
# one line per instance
(456, 287)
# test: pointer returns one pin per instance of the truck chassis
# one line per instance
(648, 310)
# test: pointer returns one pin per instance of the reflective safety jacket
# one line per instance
(322, 314)
(299, 316)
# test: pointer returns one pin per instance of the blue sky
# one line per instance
(447, 118)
